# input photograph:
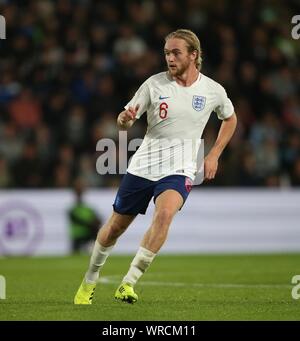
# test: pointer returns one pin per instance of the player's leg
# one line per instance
(132, 198)
(107, 237)
(166, 205)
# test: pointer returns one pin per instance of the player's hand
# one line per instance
(129, 114)
(210, 167)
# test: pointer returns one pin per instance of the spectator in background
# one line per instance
(75, 127)
(11, 143)
(295, 176)
(84, 221)
(5, 178)
(129, 47)
(291, 112)
(25, 110)
(28, 171)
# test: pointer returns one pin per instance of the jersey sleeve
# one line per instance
(142, 98)
(224, 109)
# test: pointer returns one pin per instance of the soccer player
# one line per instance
(178, 103)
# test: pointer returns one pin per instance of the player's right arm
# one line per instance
(127, 117)
(136, 107)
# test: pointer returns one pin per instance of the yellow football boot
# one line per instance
(85, 293)
(126, 293)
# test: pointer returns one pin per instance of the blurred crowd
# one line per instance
(67, 68)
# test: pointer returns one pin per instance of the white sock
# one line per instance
(98, 258)
(139, 265)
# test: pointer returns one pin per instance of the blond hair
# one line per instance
(193, 43)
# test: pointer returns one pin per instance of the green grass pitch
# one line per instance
(177, 287)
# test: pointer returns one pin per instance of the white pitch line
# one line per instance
(113, 280)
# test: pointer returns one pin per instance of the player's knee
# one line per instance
(117, 229)
(163, 216)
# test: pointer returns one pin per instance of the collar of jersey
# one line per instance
(187, 87)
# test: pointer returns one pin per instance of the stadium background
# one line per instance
(67, 68)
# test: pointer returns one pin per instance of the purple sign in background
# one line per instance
(20, 223)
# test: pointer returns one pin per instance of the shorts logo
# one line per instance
(188, 184)
(199, 102)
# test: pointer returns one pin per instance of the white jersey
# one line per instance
(176, 116)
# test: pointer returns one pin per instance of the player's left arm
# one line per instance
(226, 131)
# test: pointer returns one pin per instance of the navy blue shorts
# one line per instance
(135, 192)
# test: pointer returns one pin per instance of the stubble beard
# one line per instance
(177, 72)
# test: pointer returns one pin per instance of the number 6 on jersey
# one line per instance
(163, 112)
